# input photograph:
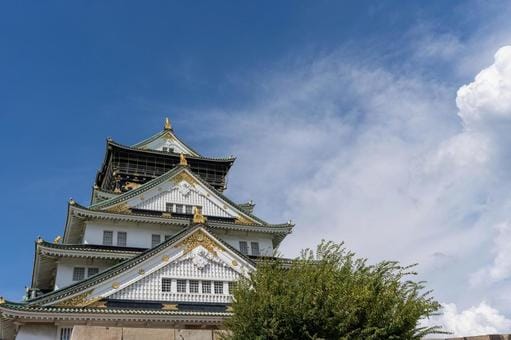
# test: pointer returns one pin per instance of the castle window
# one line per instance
(169, 206)
(194, 286)
(219, 287)
(122, 237)
(166, 284)
(167, 237)
(255, 248)
(188, 209)
(108, 238)
(155, 240)
(92, 271)
(244, 247)
(206, 287)
(180, 208)
(181, 286)
(78, 273)
(65, 333)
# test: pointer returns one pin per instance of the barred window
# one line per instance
(194, 286)
(180, 208)
(122, 237)
(206, 287)
(168, 207)
(166, 284)
(232, 284)
(108, 237)
(92, 271)
(255, 248)
(188, 209)
(219, 287)
(65, 333)
(181, 286)
(78, 273)
(244, 247)
(155, 240)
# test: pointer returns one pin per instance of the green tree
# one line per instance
(331, 294)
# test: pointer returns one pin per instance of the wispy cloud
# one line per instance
(381, 160)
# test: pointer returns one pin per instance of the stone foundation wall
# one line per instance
(127, 333)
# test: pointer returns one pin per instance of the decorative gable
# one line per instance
(168, 142)
(172, 197)
(198, 266)
(178, 191)
(194, 257)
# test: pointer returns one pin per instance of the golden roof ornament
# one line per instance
(57, 239)
(167, 124)
(198, 218)
(182, 160)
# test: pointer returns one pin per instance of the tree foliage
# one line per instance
(331, 294)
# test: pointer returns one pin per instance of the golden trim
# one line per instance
(167, 125)
(79, 300)
(119, 209)
(168, 136)
(116, 285)
(243, 220)
(199, 238)
(2, 300)
(100, 303)
(184, 176)
(57, 239)
(169, 306)
(182, 160)
(165, 258)
(166, 215)
(141, 272)
(198, 218)
(234, 263)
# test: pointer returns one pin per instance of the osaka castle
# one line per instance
(154, 255)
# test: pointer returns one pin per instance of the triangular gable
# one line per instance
(194, 248)
(166, 140)
(179, 186)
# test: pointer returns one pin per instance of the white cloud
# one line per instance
(477, 320)
(380, 160)
(487, 100)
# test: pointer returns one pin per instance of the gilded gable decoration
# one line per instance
(199, 239)
(122, 208)
(79, 300)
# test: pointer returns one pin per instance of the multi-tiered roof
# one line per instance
(134, 187)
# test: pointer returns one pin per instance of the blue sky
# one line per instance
(331, 107)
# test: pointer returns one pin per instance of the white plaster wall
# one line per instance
(138, 235)
(65, 267)
(37, 332)
(233, 239)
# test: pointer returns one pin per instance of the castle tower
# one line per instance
(159, 248)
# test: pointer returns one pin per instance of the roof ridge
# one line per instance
(198, 156)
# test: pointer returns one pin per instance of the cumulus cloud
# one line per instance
(476, 320)
(380, 160)
(487, 100)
